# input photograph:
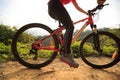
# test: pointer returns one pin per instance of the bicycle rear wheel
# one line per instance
(24, 51)
(110, 50)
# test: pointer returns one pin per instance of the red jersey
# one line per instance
(64, 2)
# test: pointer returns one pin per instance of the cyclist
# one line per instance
(57, 11)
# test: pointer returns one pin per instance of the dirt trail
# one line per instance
(57, 71)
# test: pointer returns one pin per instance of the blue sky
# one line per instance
(3, 4)
(21, 12)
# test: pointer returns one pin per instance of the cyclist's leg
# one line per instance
(57, 8)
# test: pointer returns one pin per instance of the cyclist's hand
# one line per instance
(100, 2)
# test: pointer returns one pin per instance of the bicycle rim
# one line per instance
(109, 55)
(24, 51)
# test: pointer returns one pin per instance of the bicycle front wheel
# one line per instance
(109, 54)
(26, 53)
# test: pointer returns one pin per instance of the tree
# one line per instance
(6, 34)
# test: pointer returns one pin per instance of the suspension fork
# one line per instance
(96, 39)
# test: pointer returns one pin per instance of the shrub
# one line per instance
(3, 49)
(75, 49)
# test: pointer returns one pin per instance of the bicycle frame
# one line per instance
(88, 20)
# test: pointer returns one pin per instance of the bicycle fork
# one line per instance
(96, 40)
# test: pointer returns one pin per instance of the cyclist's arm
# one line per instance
(78, 7)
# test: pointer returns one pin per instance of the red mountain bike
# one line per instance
(36, 45)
